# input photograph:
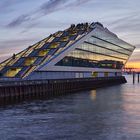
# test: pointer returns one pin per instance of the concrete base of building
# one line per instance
(15, 92)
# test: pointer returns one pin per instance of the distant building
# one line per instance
(81, 51)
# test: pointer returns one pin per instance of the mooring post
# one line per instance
(138, 77)
(133, 77)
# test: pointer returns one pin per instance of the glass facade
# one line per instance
(101, 50)
(101, 43)
(98, 53)
(85, 59)
(109, 37)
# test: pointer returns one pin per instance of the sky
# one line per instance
(24, 22)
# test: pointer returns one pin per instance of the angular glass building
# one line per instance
(81, 51)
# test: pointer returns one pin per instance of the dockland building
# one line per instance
(81, 51)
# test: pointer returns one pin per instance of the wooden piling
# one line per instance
(133, 77)
(138, 77)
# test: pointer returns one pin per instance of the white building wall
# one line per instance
(67, 75)
(87, 74)
(52, 75)
(101, 74)
(111, 74)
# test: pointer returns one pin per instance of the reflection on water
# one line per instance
(111, 113)
(93, 95)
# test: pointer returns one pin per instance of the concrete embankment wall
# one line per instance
(17, 91)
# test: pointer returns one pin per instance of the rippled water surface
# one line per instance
(111, 113)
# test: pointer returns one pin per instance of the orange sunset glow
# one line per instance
(133, 65)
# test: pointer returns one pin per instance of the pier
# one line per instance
(17, 91)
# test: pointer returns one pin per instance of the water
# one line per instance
(111, 113)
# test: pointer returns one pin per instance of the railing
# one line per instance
(46, 81)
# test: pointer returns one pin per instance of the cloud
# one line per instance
(51, 6)
(129, 21)
(123, 19)
(81, 2)
(15, 44)
(6, 6)
(21, 19)
(45, 9)
(138, 46)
